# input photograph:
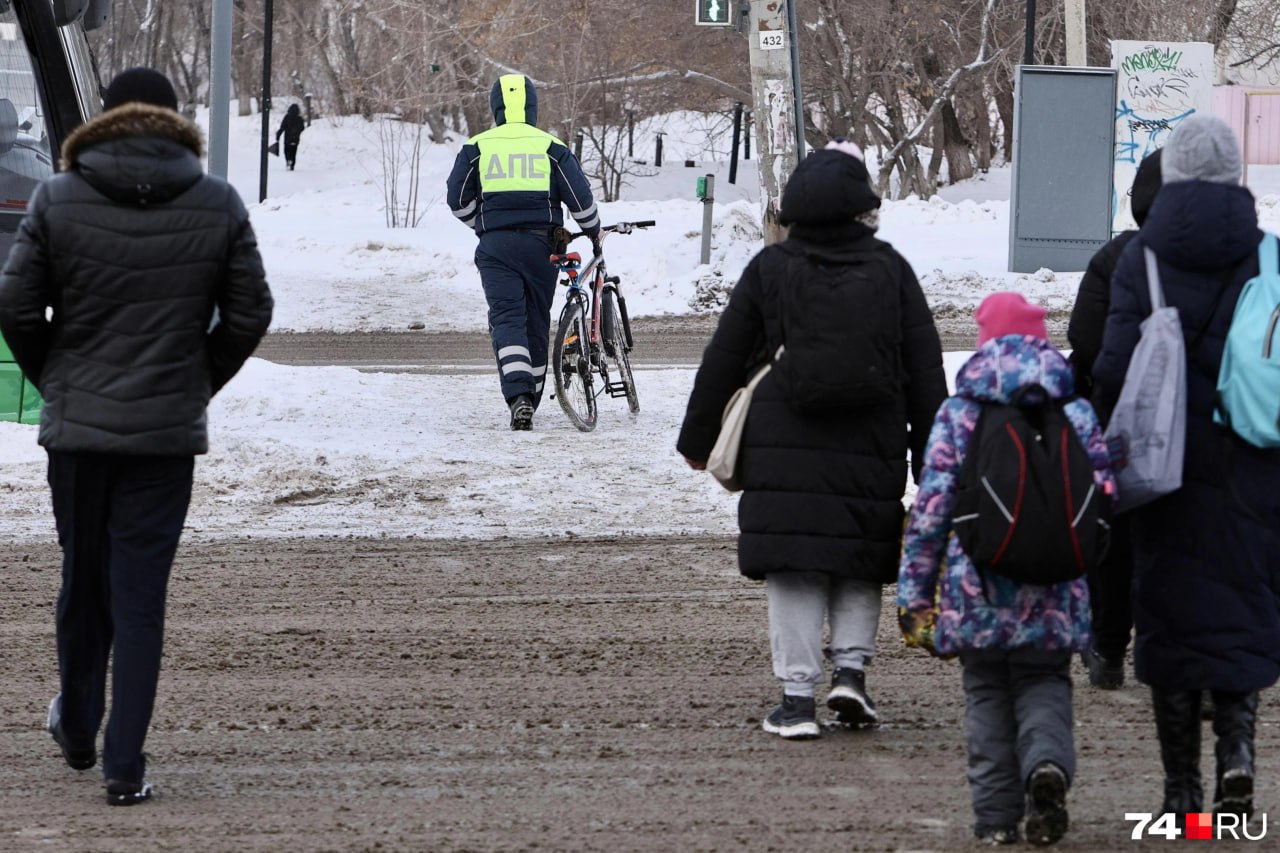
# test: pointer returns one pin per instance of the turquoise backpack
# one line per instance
(1249, 379)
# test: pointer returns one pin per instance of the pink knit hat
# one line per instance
(1008, 313)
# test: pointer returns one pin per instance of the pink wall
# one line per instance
(1263, 144)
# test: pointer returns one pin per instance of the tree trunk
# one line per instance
(982, 127)
(1004, 108)
(958, 151)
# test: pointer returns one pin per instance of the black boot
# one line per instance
(1233, 722)
(1177, 715)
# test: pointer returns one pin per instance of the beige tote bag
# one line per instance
(724, 458)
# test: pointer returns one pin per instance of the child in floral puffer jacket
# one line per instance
(1014, 640)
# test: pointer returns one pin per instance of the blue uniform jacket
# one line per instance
(515, 176)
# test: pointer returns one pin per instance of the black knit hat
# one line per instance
(140, 84)
(827, 186)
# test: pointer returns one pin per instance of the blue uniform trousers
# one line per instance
(519, 284)
(119, 519)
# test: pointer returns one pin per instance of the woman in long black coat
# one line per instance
(821, 511)
(1206, 596)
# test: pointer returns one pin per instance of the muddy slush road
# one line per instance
(552, 694)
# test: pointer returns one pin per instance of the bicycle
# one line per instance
(593, 333)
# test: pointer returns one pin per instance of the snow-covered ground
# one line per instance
(333, 451)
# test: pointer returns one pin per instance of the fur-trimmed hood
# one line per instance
(136, 153)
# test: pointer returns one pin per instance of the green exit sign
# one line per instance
(713, 13)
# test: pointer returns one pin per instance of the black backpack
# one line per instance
(842, 328)
(1027, 506)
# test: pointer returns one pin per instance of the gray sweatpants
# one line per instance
(799, 602)
(1017, 714)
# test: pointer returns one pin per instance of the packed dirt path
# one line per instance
(348, 694)
(659, 342)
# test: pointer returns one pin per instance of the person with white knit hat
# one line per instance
(1206, 558)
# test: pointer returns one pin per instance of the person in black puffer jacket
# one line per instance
(1109, 582)
(1206, 558)
(157, 292)
(821, 511)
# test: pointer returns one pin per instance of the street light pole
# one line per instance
(1029, 50)
(267, 25)
(794, 38)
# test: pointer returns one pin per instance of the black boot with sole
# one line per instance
(1177, 714)
(1234, 718)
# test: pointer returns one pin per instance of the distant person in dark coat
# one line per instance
(821, 512)
(132, 248)
(1109, 582)
(1206, 595)
(291, 126)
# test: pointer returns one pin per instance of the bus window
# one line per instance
(25, 156)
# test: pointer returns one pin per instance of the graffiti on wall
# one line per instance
(1157, 86)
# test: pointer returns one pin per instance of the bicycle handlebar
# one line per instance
(618, 228)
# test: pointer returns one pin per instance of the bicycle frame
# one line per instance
(595, 272)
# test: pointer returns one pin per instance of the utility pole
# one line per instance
(1077, 49)
(777, 112)
(219, 86)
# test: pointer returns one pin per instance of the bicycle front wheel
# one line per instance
(571, 368)
(617, 347)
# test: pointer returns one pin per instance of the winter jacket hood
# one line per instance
(837, 242)
(1003, 366)
(1199, 225)
(513, 99)
(136, 154)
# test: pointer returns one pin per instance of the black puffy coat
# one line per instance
(1089, 313)
(1206, 596)
(133, 247)
(820, 493)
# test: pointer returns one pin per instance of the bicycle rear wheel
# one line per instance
(614, 329)
(571, 368)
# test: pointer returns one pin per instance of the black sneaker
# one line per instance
(795, 719)
(1104, 673)
(849, 699)
(997, 835)
(77, 759)
(522, 413)
(127, 793)
(1046, 804)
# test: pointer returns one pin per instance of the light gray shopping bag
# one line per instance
(1149, 422)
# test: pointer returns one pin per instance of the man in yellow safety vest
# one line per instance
(508, 184)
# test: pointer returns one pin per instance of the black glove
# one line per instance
(597, 246)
